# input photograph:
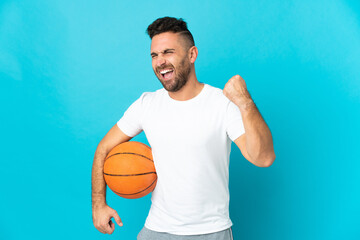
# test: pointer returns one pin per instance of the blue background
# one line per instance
(69, 69)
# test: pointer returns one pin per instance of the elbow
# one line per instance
(267, 161)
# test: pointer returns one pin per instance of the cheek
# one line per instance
(174, 62)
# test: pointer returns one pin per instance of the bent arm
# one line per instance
(256, 144)
(98, 186)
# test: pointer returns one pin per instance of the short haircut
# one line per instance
(171, 24)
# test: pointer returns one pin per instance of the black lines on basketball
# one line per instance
(130, 153)
(128, 175)
(129, 170)
(139, 191)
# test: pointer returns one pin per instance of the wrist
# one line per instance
(245, 106)
(99, 205)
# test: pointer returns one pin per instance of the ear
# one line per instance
(193, 53)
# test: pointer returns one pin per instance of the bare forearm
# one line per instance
(98, 185)
(259, 143)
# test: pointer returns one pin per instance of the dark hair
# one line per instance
(170, 24)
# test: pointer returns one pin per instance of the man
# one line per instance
(190, 126)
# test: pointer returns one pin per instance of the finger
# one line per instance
(118, 219)
(102, 230)
(108, 228)
(111, 227)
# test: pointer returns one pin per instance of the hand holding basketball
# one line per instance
(102, 219)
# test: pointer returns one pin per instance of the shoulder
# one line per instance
(217, 95)
(218, 99)
(148, 97)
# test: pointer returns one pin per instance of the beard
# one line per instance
(180, 79)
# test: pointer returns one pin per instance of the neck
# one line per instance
(190, 90)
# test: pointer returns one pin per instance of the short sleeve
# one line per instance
(131, 122)
(234, 124)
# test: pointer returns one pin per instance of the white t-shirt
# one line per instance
(191, 142)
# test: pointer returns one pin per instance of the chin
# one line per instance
(171, 89)
(169, 86)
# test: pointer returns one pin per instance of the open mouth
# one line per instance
(167, 73)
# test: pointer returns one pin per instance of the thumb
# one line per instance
(117, 219)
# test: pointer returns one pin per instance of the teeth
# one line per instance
(165, 71)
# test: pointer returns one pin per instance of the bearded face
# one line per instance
(170, 61)
(173, 78)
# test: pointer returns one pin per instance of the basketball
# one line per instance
(129, 170)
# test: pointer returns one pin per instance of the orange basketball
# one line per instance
(129, 170)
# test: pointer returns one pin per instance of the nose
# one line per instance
(160, 61)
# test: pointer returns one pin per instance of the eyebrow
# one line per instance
(153, 53)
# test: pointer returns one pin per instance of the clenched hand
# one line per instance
(102, 219)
